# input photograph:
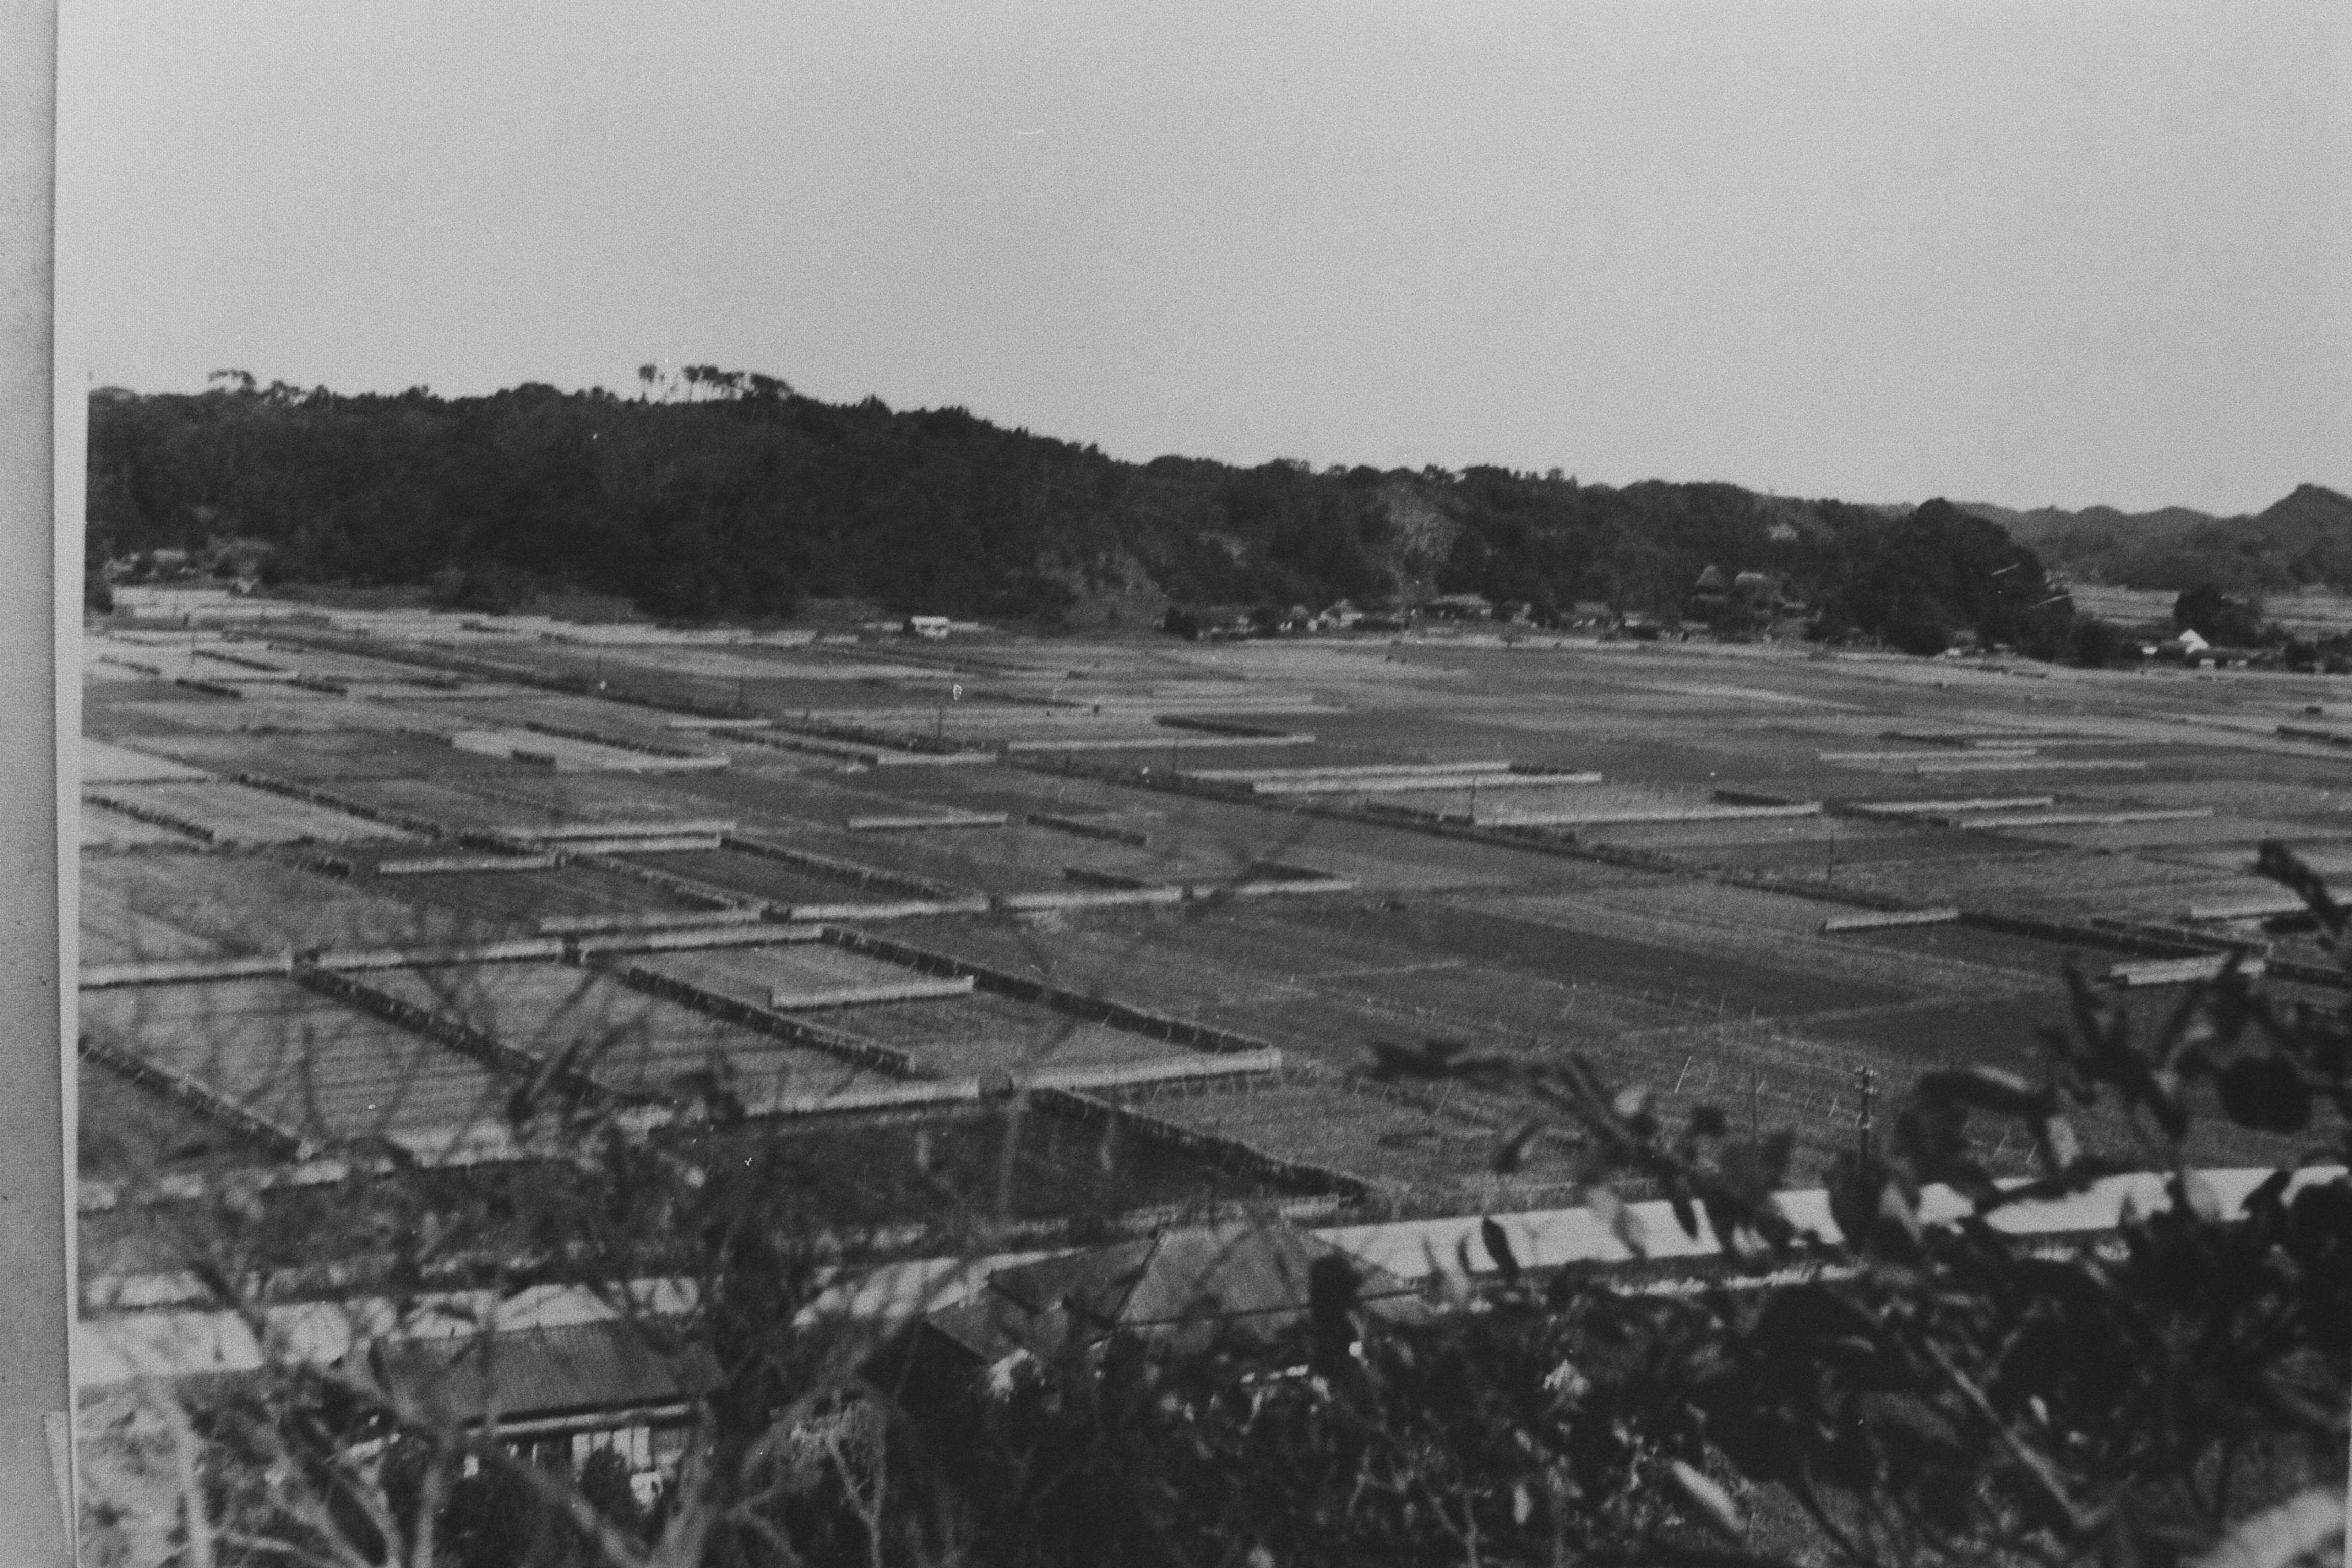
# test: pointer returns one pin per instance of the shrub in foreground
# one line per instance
(1905, 1394)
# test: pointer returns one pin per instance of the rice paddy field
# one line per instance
(140, 908)
(504, 901)
(1664, 920)
(983, 1035)
(756, 974)
(129, 1130)
(105, 764)
(1393, 1145)
(767, 878)
(313, 1069)
(105, 827)
(625, 1038)
(321, 756)
(974, 1162)
(1021, 858)
(1778, 1018)
(232, 813)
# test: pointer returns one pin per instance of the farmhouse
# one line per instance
(558, 1394)
(1719, 595)
(1459, 607)
(1184, 1286)
(934, 627)
(2188, 646)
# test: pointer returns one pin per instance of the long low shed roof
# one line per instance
(118, 1348)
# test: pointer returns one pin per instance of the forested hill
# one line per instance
(732, 496)
(2305, 540)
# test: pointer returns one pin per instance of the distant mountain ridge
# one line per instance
(2303, 540)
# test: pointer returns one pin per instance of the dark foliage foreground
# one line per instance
(1914, 1394)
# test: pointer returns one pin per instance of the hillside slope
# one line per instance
(735, 505)
(2303, 541)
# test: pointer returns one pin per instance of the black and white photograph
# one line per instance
(1005, 784)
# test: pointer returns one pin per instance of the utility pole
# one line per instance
(955, 693)
(1869, 1086)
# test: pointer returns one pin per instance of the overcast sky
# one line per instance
(2036, 253)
